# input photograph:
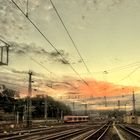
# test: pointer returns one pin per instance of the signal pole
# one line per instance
(62, 116)
(119, 105)
(85, 109)
(4, 52)
(105, 101)
(73, 108)
(45, 110)
(1, 54)
(29, 102)
(134, 110)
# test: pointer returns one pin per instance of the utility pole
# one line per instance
(57, 115)
(45, 109)
(134, 109)
(29, 102)
(1, 54)
(17, 117)
(25, 114)
(119, 105)
(4, 52)
(125, 110)
(85, 109)
(105, 101)
(62, 116)
(73, 105)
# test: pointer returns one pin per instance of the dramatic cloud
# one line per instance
(94, 25)
(100, 88)
(13, 22)
(94, 88)
(61, 57)
(23, 48)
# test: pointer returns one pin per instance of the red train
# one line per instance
(75, 119)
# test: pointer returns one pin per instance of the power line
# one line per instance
(70, 37)
(131, 65)
(9, 83)
(123, 67)
(128, 75)
(49, 71)
(48, 41)
(39, 64)
(42, 67)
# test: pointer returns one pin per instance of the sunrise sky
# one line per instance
(106, 33)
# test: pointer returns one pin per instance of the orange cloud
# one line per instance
(71, 88)
(101, 88)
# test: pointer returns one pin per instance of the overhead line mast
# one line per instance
(29, 102)
(134, 108)
(4, 55)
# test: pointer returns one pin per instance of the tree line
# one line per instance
(10, 104)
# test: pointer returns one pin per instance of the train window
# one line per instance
(80, 119)
(75, 119)
(69, 119)
(84, 118)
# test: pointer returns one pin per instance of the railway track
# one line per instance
(131, 131)
(72, 134)
(98, 134)
(65, 134)
(18, 135)
(94, 134)
(54, 132)
(59, 133)
(21, 132)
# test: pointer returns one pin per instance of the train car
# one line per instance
(75, 119)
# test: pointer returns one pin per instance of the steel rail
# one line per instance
(31, 133)
(63, 135)
(130, 130)
(97, 132)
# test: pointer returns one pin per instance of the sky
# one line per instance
(106, 33)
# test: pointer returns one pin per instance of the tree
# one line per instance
(54, 108)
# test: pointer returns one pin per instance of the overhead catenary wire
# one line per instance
(74, 44)
(39, 64)
(36, 27)
(31, 59)
(125, 77)
(35, 61)
(10, 83)
(119, 68)
(128, 75)
(131, 65)
(48, 70)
